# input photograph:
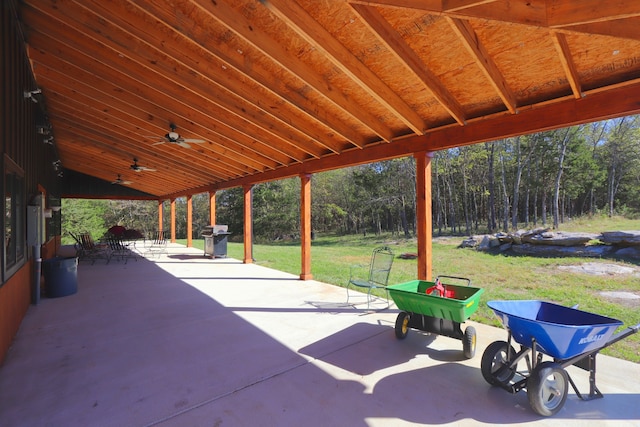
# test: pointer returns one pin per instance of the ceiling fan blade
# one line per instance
(183, 144)
(195, 141)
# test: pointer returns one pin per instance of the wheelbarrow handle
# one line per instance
(622, 334)
(455, 277)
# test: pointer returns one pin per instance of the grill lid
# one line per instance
(214, 230)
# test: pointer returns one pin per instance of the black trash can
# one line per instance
(60, 276)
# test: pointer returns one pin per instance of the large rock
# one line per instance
(557, 250)
(621, 238)
(560, 238)
(630, 252)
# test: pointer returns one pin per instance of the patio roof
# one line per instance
(277, 88)
(184, 340)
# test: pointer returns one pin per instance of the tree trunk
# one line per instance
(490, 147)
(556, 193)
(505, 195)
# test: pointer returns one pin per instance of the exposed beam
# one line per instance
(532, 12)
(566, 13)
(158, 76)
(263, 42)
(623, 28)
(470, 40)
(395, 43)
(571, 15)
(456, 5)
(564, 53)
(311, 31)
(598, 105)
(222, 81)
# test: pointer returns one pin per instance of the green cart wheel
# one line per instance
(402, 325)
(469, 342)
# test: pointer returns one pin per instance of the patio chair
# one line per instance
(378, 277)
(156, 243)
(92, 251)
(119, 249)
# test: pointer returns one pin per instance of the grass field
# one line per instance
(501, 276)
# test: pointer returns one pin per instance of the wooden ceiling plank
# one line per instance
(95, 133)
(564, 53)
(262, 41)
(146, 61)
(470, 40)
(138, 84)
(122, 125)
(91, 162)
(229, 93)
(134, 113)
(313, 33)
(291, 99)
(565, 13)
(395, 43)
(146, 82)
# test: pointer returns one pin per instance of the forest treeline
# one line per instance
(541, 179)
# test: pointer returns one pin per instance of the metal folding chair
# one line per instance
(378, 277)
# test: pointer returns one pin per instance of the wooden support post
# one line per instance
(305, 226)
(173, 220)
(212, 208)
(190, 221)
(425, 226)
(160, 222)
(248, 225)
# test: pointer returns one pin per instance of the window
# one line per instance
(14, 217)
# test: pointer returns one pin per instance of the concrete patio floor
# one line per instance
(182, 340)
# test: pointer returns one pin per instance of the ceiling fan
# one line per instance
(121, 181)
(137, 168)
(174, 137)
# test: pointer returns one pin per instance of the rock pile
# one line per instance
(543, 242)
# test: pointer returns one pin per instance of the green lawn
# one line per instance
(501, 276)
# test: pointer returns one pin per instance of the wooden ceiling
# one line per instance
(280, 87)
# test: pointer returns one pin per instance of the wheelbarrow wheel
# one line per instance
(402, 325)
(494, 364)
(547, 388)
(469, 342)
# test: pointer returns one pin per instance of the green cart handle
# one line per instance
(465, 279)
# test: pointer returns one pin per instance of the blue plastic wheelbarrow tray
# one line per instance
(568, 335)
(436, 314)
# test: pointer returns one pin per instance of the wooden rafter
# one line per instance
(564, 54)
(263, 42)
(480, 55)
(387, 35)
(312, 32)
(277, 87)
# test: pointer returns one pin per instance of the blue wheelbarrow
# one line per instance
(568, 335)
